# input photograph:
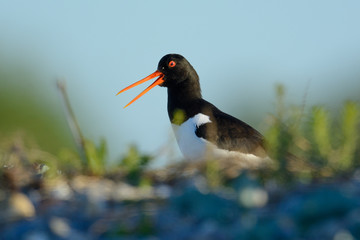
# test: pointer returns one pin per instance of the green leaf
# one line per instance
(320, 130)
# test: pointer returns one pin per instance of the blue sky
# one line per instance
(240, 49)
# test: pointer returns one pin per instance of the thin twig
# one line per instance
(71, 119)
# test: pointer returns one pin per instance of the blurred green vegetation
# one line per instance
(134, 165)
(29, 107)
(35, 130)
(316, 144)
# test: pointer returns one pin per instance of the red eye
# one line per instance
(172, 64)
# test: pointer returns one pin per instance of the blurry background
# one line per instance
(240, 50)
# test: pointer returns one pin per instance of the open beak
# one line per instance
(158, 81)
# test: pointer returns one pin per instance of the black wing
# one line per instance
(230, 133)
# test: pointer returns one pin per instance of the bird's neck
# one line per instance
(181, 97)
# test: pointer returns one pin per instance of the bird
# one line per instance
(202, 130)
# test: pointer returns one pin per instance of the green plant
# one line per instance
(313, 145)
(134, 164)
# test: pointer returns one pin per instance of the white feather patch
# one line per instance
(191, 146)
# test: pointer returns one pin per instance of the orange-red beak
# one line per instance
(158, 81)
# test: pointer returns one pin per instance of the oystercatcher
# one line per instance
(201, 129)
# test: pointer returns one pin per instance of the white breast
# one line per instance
(191, 146)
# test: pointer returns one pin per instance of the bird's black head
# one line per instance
(176, 69)
(174, 72)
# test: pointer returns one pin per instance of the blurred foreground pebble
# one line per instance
(88, 207)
